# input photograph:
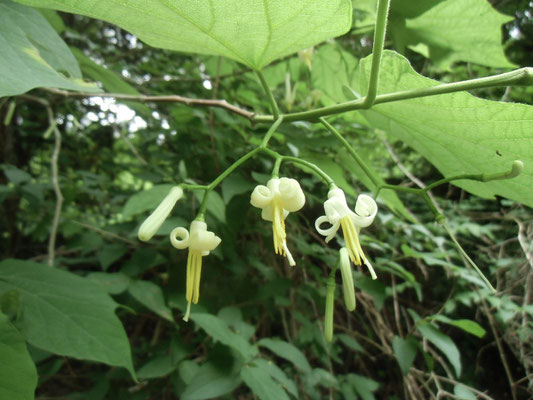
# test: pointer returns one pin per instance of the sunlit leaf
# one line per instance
(33, 55)
(253, 33)
(457, 132)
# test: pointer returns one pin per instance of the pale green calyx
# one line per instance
(347, 279)
(151, 225)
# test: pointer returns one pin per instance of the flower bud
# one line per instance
(151, 225)
(328, 317)
(347, 280)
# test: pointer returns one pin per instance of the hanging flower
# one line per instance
(200, 242)
(277, 199)
(339, 215)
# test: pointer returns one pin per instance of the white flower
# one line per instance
(339, 215)
(277, 199)
(200, 242)
(150, 226)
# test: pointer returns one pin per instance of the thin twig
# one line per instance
(54, 174)
(106, 233)
(160, 99)
(132, 147)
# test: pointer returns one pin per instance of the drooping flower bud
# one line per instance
(151, 225)
(347, 279)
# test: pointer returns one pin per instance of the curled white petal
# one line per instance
(291, 194)
(336, 208)
(365, 211)
(329, 232)
(201, 239)
(261, 196)
(347, 279)
(152, 224)
(179, 237)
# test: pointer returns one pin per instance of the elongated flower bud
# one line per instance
(150, 226)
(328, 317)
(347, 280)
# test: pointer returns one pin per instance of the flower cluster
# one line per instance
(277, 199)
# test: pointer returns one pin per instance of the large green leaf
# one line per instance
(66, 314)
(447, 30)
(33, 55)
(457, 132)
(253, 33)
(18, 376)
(459, 30)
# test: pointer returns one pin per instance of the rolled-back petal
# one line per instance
(292, 195)
(365, 211)
(150, 226)
(261, 196)
(179, 237)
(201, 239)
(329, 232)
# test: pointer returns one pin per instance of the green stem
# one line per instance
(470, 261)
(515, 170)
(352, 152)
(232, 168)
(271, 131)
(379, 41)
(273, 104)
(519, 77)
(311, 166)
(277, 164)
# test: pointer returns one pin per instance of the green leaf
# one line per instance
(287, 351)
(405, 352)
(463, 393)
(259, 380)
(277, 373)
(18, 376)
(61, 310)
(460, 30)
(350, 342)
(363, 386)
(110, 253)
(219, 330)
(146, 200)
(443, 343)
(151, 296)
(457, 132)
(211, 382)
(113, 283)
(157, 367)
(33, 55)
(252, 33)
(466, 325)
